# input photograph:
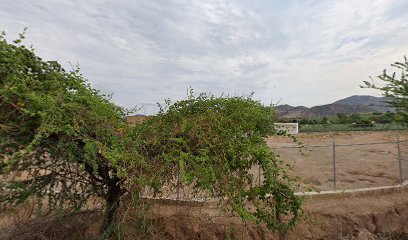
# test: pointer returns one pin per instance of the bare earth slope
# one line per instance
(335, 217)
(329, 217)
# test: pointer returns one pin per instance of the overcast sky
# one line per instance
(288, 52)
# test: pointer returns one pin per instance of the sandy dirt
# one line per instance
(376, 216)
(363, 160)
(371, 160)
(337, 217)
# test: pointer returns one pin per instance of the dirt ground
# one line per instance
(373, 216)
(363, 160)
(332, 217)
(377, 216)
(370, 159)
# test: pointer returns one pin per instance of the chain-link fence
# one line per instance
(341, 166)
(313, 164)
(403, 146)
(332, 164)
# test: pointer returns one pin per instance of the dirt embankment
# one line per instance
(336, 217)
(327, 217)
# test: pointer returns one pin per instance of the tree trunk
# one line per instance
(112, 204)
(281, 233)
(282, 236)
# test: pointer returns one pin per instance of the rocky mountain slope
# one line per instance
(353, 104)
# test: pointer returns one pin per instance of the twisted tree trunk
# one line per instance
(112, 204)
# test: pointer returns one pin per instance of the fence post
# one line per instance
(178, 182)
(399, 158)
(334, 162)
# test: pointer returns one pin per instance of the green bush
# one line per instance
(214, 142)
(63, 142)
(395, 88)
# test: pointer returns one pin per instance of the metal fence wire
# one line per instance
(332, 165)
(339, 166)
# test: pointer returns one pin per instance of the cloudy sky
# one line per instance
(288, 52)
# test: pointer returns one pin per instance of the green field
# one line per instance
(349, 122)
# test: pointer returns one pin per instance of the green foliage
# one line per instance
(351, 122)
(214, 142)
(395, 88)
(61, 141)
(354, 118)
(350, 127)
(362, 123)
(384, 118)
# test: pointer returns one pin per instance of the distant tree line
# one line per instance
(358, 119)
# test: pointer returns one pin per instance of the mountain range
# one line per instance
(353, 104)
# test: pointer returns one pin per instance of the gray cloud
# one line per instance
(299, 52)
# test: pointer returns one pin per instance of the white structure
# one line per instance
(291, 128)
(147, 109)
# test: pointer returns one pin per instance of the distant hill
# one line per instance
(353, 104)
(376, 103)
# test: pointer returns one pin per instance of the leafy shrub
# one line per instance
(395, 87)
(215, 141)
(60, 139)
(63, 142)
